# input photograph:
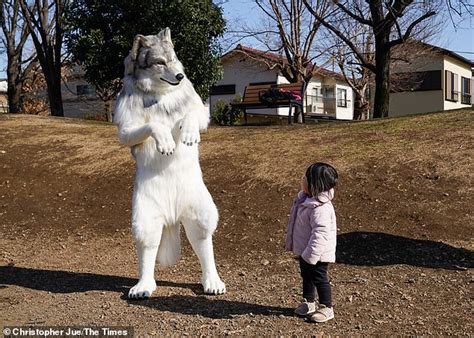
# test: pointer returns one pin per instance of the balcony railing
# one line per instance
(466, 99)
(320, 105)
(454, 95)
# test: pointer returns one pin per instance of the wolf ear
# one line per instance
(138, 42)
(165, 35)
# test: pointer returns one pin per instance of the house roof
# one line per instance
(445, 51)
(273, 57)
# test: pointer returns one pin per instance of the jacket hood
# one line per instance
(323, 197)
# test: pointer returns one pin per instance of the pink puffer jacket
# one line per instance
(312, 229)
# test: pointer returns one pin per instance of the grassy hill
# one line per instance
(404, 201)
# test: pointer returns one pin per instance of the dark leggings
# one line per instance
(315, 278)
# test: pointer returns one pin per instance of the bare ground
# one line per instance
(404, 206)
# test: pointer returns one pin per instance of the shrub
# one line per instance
(225, 114)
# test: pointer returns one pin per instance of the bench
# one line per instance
(252, 98)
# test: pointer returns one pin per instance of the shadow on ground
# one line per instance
(211, 307)
(378, 249)
(69, 282)
(72, 282)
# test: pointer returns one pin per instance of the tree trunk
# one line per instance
(361, 106)
(382, 78)
(53, 82)
(358, 106)
(299, 116)
(14, 91)
(108, 111)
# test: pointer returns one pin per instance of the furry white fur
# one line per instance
(159, 115)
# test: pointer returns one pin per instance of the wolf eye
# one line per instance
(158, 61)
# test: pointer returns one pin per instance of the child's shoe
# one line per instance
(305, 308)
(323, 314)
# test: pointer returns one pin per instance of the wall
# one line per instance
(80, 106)
(282, 110)
(462, 70)
(420, 64)
(242, 72)
(407, 103)
(345, 113)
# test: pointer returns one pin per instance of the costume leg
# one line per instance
(147, 230)
(199, 224)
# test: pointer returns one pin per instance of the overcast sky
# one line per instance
(238, 12)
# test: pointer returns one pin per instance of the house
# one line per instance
(3, 96)
(79, 96)
(437, 80)
(327, 94)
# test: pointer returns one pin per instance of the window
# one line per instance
(451, 86)
(466, 90)
(341, 97)
(85, 89)
(329, 92)
(223, 90)
(318, 93)
(263, 83)
(416, 81)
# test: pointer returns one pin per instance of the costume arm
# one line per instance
(133, 130)
(131, 136)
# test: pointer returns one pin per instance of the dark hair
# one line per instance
(321, 177)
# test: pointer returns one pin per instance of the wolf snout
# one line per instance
(179, 76)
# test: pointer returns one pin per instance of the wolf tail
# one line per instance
(169, 251)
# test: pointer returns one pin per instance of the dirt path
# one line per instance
(405, 247)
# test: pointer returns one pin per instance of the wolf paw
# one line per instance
(143, 289)
(189, 131)
(213, 286)
(164, 140)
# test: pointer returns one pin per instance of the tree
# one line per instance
(357, 76)
(361, 78)
(392, 23)
(102, 31)
(45, 23)
(19, 69)
(290, 31)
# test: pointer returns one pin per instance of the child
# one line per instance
(311, 236)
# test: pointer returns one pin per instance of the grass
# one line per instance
(276, 154)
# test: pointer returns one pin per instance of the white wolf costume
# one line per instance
(159, 115)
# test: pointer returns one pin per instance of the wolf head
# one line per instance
(153, 64)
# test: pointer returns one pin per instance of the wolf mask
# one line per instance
(153, 63)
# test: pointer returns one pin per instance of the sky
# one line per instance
(459, 40)
(244, 12)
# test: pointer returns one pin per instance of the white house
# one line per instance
(79, 96)
(437, 80)
(327, 94)
(3, 96)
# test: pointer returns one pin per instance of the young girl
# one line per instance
(311, 236)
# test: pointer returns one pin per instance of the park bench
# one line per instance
(259, 96)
